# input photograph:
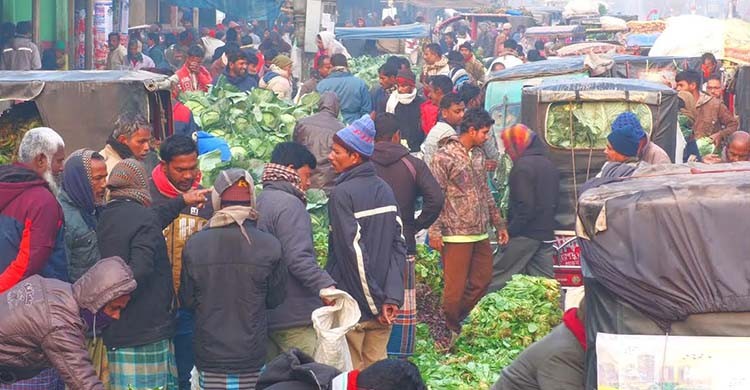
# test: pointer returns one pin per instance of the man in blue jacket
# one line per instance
(367, 252)
(352, 91)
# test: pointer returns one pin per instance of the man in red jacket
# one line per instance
(192, 76)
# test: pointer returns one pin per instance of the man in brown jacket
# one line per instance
(472, 64)
(461, 231)
(713, 118)
(43, 324)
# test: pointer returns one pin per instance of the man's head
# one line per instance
(709, 63)
(497, 66)
(237, 63)
(324, 66)
(297, 157)
(129, 180)
(283, 62)
(387, 74)
(133, 131)
(714, 86)
(194, 59)
(104, 291)
(506, 29)
(450, 39)
(23, 29)
(361, 22)
(406, 82)
(252, 62)
(452, 109)
(113, 39)
(387, 128)
(440, 86)
(688, 80)
(232, 36)
(401, 63)
(179, 156)
(625, 138)
(84, 179)
(539, 45)
(353, 144)
(233, 187)
(339, 60)
(471, 95)
(391, 374)
(475, 127)
(133, 47)
(43, 151)
(510, 46)
(738, 148)
(465, 50)
(153, 39)
(431, 53)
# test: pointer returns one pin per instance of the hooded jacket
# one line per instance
(354, 97)
(366, 239)
(283, 214)
(469, 206)
(316, 133)
(231, 284)
(21, 54)
(244, 83)
(277, 80)
(134, 232)
(293, 370)
(408, 183)
(534, 183)
(41, 325)
(32, 239)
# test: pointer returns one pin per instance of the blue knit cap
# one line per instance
(626, 134)
(359, 136)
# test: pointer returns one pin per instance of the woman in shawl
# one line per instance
(328, 45)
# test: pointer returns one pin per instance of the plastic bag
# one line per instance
(331, 324)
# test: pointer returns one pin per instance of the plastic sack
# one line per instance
(331, 324)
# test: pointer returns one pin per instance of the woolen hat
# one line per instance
(128, 180)
(282, 61)
(233, 184)
(359, 136)
(626, 134)
(406, 77)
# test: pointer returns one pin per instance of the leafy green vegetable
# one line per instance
(706, 146)
(210, 165)
(591, 122)
(317, 206)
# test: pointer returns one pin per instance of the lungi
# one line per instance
(143, 367)
(48, 379)
(403, 333)
(218, 381)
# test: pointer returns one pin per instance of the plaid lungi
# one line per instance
(403, 334)
(48, 379)
(218, 381)
(143, 367)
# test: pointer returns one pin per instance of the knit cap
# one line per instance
(282, 61)
(233, 184)
(359, 136)
(128, 180)
(626, 134)
(406, 77)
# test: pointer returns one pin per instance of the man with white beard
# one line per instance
(30, 217)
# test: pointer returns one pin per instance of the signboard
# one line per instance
(103, 19)
(313, 17)
(672, 362)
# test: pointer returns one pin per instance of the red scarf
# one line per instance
(471, 57)
(571, 321)
(353, 375)
(429, 116)
(162, 183)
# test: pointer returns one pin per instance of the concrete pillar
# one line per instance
(90, 34)
(137, 12)
(36, 13)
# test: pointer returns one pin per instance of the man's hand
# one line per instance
(195, 197)
(716, 137)
(502, 237)
(436, 243)
(711, 159)
(387, 314)
(326, 301)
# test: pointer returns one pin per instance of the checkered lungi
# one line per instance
(218, 381)
(48, 379)
(143, 367)
(403, 334)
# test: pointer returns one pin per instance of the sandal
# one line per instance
(444, 346)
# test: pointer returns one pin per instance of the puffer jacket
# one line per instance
(81, 244)
(316, 133)
(21, 54)
(366, 239)
(353, 94)
(293, 370)
(41, 325)
(469, 206)
(277, 80)
(283, 214)
(713, 117)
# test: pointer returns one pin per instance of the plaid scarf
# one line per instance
(128, 180)
(276, 172)
(234, 214)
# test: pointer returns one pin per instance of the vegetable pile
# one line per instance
(502, 325)
(591, 123)
(14, 123)
(366, 68)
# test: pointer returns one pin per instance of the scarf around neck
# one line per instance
(121, 149)
(162, 183)
(275, 172)
(442, 63)
(571, 321)
(234, 214)
(399, 98)
(77, 184)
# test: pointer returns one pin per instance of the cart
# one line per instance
(559, 35)
(552, 107)
(83, 105)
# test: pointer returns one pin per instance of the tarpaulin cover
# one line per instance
(256, 9)
(649, 68)
(642, 40)
(742, 96)
(541, 69)
(693, 35)
(555, 30)
(406, 31)
(579, 165)
(672, 242)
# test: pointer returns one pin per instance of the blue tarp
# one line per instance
(643, 40)
(541, 69)
(257, 9)
(406, 31)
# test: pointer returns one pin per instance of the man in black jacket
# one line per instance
(406, 104)
(367, 252)
(129, 228)
(409, 178)
(534, 190)
(282, 213)
(232, 273)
